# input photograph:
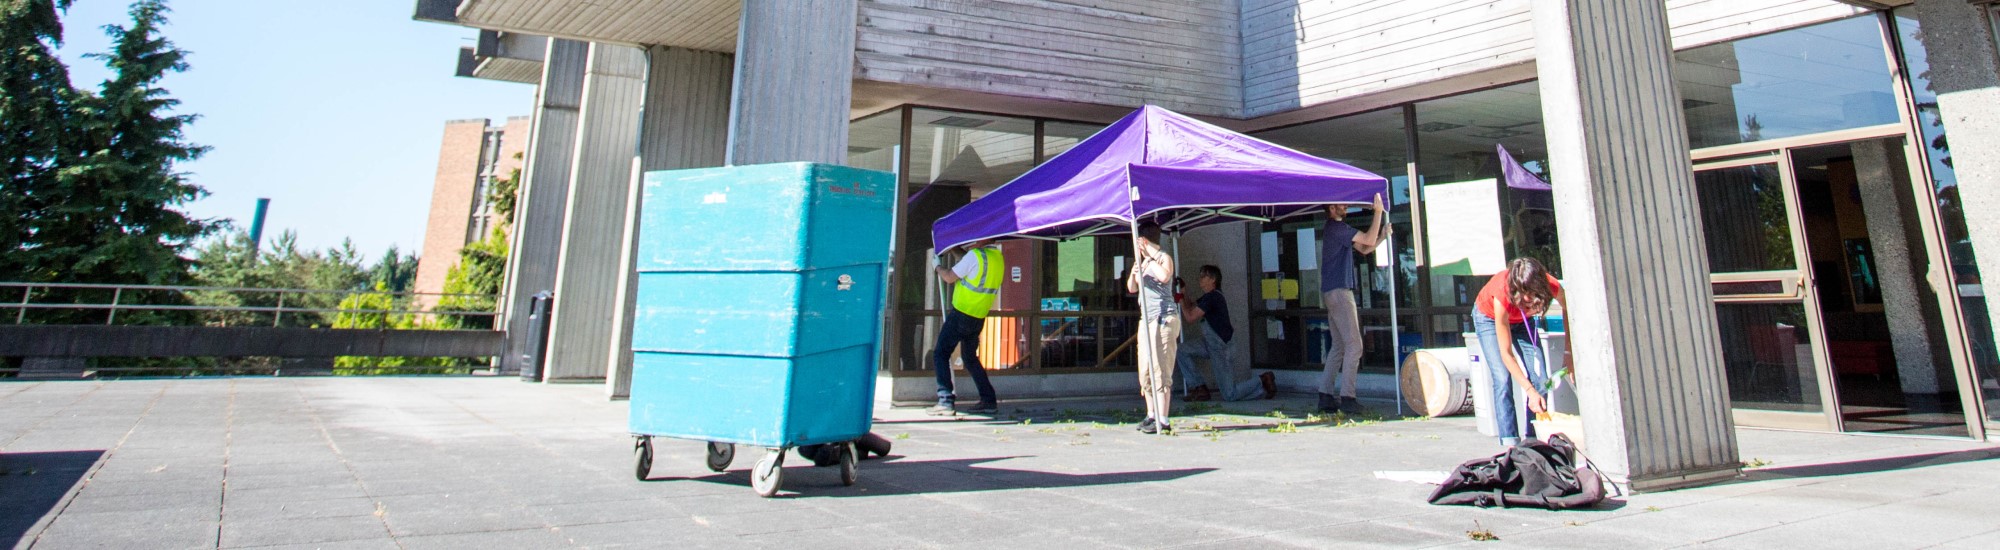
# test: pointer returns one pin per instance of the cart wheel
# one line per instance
(720, 455)
(849, 457)
(769, 473)
(642, 454)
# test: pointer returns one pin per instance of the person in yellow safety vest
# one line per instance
(975, 285)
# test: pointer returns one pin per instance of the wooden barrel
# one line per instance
(1438, 382)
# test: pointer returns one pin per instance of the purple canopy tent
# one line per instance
(1184, 172)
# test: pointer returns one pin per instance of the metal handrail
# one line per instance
(118, 292)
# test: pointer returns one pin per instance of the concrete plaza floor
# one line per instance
(495, 463)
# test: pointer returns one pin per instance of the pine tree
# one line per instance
(35, 98)
(112, 218)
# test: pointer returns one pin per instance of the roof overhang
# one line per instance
(1878, 4)
(708, 25)
(504, 56)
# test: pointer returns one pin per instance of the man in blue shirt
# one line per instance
(1336, 285)
(1213, 313)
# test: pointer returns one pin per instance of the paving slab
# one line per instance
(492, 463)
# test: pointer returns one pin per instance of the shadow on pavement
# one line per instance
(32, 484)
(894, 475)
(1870, 466)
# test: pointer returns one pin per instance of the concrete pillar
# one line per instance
(794, 81)
(587, 268)
(685, 125)
(1965, 73)
(1881, 175)
(538, 212)
(1641, 317)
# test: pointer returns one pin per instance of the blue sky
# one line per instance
(334, 110)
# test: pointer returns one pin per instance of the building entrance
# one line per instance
(1826, 275)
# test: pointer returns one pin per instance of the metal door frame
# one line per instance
(1800, 280)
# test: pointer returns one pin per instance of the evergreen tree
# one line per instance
(112, 217)
(395, 272)
(35, 97)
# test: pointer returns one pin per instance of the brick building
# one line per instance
(474, 154)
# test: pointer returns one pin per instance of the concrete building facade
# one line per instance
(1755, 205)
(473, 156)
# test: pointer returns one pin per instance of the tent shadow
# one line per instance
(890, 477)
(33, 484)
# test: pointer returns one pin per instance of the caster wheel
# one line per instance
(642, 454)
(849, 457)
(720, 455)
(769, 473)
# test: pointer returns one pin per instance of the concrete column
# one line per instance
(685, 125)
(1965, 73)
(587, 268)
(794, 81)
(1880, 175)
(1641, 318)
(544, 190)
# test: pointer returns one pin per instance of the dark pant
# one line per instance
(960, 330)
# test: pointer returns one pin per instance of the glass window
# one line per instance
(1825, 77)
(1060, 136)
(874, 142)
(1744, 217)
(1474, 219)
(1375, 142)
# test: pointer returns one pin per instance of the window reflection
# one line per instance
(1802, 81)
(1475, 220)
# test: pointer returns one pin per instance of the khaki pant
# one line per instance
(1159, 341)
(1343, 358)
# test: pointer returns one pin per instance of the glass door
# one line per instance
(1765, 301)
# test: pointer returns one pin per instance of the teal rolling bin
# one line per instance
(759, 312)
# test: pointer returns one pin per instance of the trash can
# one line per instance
(759, 310)
(540, 307)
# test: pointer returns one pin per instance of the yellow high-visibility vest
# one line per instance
(975, 295)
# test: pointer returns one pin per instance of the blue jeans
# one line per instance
(1508, 420)
(1217, 352)
(960, 330)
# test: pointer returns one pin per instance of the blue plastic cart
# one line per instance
(759, 311)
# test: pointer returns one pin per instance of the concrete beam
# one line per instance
(1641, 316)
(601, 179)
(544, 192)
(686, 125)
(794, 79)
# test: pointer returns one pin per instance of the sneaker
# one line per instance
(1328, 404)
(1351, 406)
(1149, 427)
(1270, 384)
(984, 407)
(943, 408)
(1166, 427)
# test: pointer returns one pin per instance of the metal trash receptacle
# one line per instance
(759, 310)
(540, 306)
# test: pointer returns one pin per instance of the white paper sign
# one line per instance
(1308, 249)
(1269, 242)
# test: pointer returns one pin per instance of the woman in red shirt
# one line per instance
(1499, 316)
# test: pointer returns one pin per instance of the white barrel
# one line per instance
(1438, 382)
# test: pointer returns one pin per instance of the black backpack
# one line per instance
(1533, 473)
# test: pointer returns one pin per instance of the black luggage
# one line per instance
(1534, 473)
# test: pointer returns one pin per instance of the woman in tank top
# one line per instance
(1159, 325)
